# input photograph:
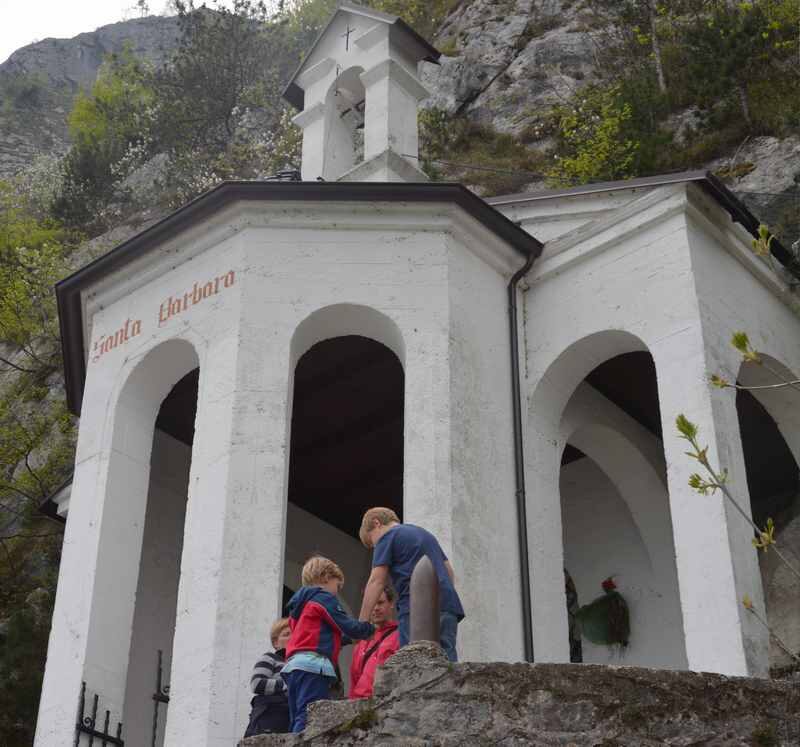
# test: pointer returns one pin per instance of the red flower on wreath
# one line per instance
(609, 585)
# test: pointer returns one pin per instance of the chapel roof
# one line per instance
(709, 183)
(69, 291)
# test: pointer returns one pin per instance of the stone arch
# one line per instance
(645, 560)
(110, 661)
(573, 364)
(769, 425)
(339, 320)
(346, 435)
(544, 447)
(344, 111)
(146, 385)
(783, 405)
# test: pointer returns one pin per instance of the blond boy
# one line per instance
(319, 627)
(397, 549)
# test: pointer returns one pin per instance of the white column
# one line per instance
(312, 122)
(545, 538)
(232, 565)
(390, 116)
(93, 617)
(717, 565)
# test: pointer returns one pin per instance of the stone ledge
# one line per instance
(421, 699)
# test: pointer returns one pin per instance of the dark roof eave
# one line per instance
(68, 291)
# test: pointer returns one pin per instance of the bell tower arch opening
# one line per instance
(344, 110)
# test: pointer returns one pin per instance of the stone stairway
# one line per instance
(422, 699)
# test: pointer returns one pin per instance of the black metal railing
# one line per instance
(161, 695)
(87, 724)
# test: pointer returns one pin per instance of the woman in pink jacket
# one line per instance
(370, 654)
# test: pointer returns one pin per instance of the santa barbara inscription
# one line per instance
(172, 306)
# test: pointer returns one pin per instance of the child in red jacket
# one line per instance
(369, 655)
(319, 627)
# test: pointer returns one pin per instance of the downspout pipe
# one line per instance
(519, 458)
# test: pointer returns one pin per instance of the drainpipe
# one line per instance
(519, 459)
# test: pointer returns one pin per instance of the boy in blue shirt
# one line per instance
(397, 548)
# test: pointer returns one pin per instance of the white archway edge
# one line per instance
(782, 404)
(544, 444)
(633, 459)
(93, 618)
(344, 319)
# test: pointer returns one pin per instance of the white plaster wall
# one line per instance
(548, 218)
(93, 619)
(737, 292)
(622, 283)
(157, 591)
(483, 507)
(602, 540)
(290, 260)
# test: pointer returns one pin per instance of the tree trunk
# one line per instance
(744, 103)
(662, 83)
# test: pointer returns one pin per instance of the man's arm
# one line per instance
(450, 572)
(377, 582)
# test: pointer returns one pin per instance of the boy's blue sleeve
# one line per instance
(382, 554)
(350, 627)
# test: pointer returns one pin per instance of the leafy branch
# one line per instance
(717, 480)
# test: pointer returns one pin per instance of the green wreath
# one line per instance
(606, 620)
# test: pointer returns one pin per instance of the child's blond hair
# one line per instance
(277, 628)
(319, 570)
(383, 515)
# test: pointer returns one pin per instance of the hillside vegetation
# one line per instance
(671, 86)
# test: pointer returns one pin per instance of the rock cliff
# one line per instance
(38, 83)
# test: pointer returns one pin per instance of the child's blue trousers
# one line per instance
(304, 688)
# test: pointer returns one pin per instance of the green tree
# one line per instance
(224, 65)
(111, 131)
(731, 46)
(36, 452)
(593, 142)
(636, 31)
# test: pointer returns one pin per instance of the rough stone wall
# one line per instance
(420, 699)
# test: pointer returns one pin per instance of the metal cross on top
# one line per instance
(346, 37)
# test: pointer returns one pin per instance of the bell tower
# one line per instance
(359, 93)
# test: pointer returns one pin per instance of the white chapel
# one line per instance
(258, 368)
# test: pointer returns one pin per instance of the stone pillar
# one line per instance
(390, 117)
(232, 565)
(545, 539)
(717, 565)
(312, 123)
(93, 617)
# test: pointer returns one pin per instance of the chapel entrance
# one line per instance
(770, 437)
(159, 566)
(346, 454)
(616, 516)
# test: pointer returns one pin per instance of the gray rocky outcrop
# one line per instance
(508, 60)
(38, 82)
(421, 699)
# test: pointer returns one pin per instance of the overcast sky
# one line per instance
(26, 21)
